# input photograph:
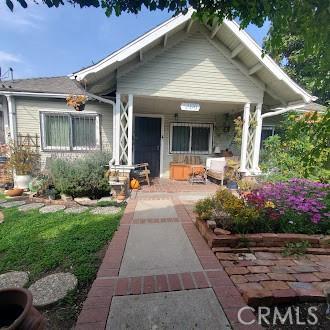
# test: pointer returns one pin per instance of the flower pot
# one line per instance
(232, 185)
(22, 181)
(17, 311)
(14, 192)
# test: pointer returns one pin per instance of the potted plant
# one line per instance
(231, 174)
(77, 102)
(17, 311)
(23, 161)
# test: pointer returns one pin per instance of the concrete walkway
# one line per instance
(158, 273)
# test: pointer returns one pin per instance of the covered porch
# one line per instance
(165, 131)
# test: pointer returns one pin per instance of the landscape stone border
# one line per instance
(76, 209)
(13, 204)
(259, 240)
(52, 288)
(30, 206)
(13, 280)
(52, 208)
(105, 210)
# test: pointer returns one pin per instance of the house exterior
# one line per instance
(173, 91)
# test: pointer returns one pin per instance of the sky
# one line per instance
(41, 41)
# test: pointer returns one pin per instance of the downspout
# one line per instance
(12, 116)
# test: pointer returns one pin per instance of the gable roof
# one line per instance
(257, 66)
(56, 85)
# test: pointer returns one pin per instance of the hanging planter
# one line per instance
(77, 102)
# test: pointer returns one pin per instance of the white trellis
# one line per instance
(251, 135)
(123, 127)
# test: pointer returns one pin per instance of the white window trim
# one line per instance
(184, 124)
(70, 114)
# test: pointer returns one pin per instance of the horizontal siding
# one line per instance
(191, 69)
(28, 120)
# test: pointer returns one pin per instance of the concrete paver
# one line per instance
(194, 309)
(151, 209)
(153, 249)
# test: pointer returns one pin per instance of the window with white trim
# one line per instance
(70, 131)
(191, 138)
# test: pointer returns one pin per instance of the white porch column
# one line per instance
(257, 140)
(116, 129)
(11, 116)
(130, 130)
(245, 134)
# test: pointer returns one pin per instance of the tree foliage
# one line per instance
(302, 149)
(311, 71)
(307, 18)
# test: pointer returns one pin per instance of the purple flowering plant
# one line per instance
(296, 200)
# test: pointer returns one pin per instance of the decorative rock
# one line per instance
(246, 256)
(66, 198)
(52, 288)
(211, 224)
(106, 210)
(31, 206)
(220, 231)
(76, 209)
(13, 279)
(3, 201)
(12, 204)
(51, 208)
(2, 218)
(85, 201)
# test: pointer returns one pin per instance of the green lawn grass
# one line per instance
(44, 243)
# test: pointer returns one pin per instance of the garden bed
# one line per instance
(273, 242)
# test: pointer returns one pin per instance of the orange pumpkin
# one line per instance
(135, 184)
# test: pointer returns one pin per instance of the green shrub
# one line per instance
(81, 177)
(204, 208)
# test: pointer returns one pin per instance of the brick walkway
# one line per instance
(207, 276)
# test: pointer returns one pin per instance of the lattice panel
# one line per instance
(250, 140)
(123, 141)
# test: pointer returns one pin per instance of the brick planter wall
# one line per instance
(260, 240)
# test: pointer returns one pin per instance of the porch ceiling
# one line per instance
(159, 105)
